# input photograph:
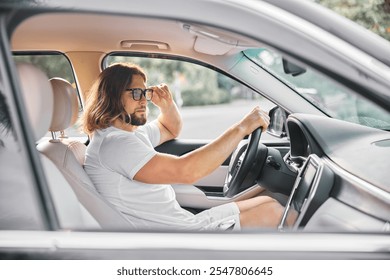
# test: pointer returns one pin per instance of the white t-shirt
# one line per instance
(113, 158)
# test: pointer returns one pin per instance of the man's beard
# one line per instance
(137, 121)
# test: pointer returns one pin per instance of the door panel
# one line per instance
(179, 147)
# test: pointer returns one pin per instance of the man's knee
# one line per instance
(267, 214)
(250, 203)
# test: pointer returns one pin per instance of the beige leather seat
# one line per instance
(53, 106)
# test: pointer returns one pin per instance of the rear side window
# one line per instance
(55, 65)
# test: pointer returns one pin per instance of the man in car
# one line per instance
(136, 179)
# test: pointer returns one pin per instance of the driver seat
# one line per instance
(68, 156)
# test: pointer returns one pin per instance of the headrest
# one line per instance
(38, 98)
(65, 105)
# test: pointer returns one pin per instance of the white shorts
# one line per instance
(222, 217)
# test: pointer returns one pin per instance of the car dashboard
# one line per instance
(343, 181)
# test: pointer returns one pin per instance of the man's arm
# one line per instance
(169, 120)
(168, 169)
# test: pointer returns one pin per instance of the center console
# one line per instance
(311, 188)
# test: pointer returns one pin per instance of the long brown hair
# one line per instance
(104, 102)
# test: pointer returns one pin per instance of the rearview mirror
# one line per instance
(277, 126)
(291, 68)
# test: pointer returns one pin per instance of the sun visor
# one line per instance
(209, 41)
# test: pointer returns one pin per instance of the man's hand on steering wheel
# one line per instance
(246, 164)
(254, 119)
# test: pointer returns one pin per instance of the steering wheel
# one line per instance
(245, 165)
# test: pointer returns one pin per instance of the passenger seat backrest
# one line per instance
(68, 155)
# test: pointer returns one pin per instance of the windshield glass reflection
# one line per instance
(330, 97)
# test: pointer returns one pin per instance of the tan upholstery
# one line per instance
(68, 155)
(38, 98)
(65, 105)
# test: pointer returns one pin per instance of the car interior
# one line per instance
(312, 163)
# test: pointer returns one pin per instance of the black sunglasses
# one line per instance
(138, 92)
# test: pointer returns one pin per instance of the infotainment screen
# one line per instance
(304, 185)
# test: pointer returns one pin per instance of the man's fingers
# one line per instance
(162, 90)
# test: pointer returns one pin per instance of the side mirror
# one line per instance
(277, 126)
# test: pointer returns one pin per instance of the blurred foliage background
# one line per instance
(53, 64)
(187, 80)
(372, 14)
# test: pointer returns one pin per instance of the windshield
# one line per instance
(324, 93)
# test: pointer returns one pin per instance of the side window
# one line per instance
(55, 65)
(209, 101)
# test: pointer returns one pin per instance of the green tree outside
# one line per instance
(54, 65)
(192, 84)
(374, 15)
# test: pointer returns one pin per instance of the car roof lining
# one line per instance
(68, 32)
